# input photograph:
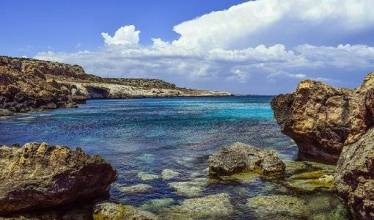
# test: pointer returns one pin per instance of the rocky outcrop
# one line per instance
(355, 176)
(241, 157)
(38, 176)
(322, 119)
(29, 85)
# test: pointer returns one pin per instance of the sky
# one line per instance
(244, 47)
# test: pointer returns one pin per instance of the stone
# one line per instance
(322, 119)
(311, 181)
(138, 188)
(114, 211)
(156, 205)
(355, 176)
(241, 157)
(191, 188)
(147, 176)
(168, 174)
(278, 207)
(38, 176)
(209, 207)
(5, 112)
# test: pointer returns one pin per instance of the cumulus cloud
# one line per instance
(263, 46)
(124, 36)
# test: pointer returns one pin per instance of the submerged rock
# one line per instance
(311, 181)
(139, 188)
(278, 206)
(156, 205)
(355, 176)
(38, 176)
(241, 157)
(191, 188)
(210, 207)
(147, 176)
(114, 211)
(168, 174)
(322, 119)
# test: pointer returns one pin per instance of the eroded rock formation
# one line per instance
(333, 125)
(322, 119)
(38, 176)
(241, 157)
(355, 176)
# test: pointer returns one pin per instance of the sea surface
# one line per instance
(146, 136)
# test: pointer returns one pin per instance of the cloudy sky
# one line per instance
(245, 47)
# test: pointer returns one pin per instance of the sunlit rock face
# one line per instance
(38, 176)
(355, 176)
(322, 119)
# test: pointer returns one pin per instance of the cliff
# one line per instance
(30, 84)
(322, 119)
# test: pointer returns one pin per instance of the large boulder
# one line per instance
(241, 157)
(355, 176)
(38, 176)
(322, 119)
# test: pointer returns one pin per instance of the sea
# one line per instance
(141, 138)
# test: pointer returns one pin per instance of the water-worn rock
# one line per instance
(190, 188)
(147, 176)
(168, 174)
(322, 119)
(114, 211)
(210, 207)
(311, 181)
(38, 176)
(267, 207)
(155, 205)
(241, 157)
(355, 176)
(138, 188)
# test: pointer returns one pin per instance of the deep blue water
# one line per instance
(154, 134)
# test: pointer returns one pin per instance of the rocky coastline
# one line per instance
(34, 85)
(329, 125)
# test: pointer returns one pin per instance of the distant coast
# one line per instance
(34, 85)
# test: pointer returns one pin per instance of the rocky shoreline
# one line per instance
(34, 85)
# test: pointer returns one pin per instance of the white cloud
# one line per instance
(252, 43)
(271, 19)
(124, 36)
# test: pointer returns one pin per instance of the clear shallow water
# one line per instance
(150, 135)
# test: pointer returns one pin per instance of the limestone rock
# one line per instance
(322, 119)
(138, 188)
(267, 207)
(168, 174)
(240, 157)
(113, 211)
(355, 176)
(210, 207)
(191, 188)
(38, 176)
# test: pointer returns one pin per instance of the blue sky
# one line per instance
(29, 27)
(245, 47)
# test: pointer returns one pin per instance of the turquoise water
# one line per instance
(150, 135)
